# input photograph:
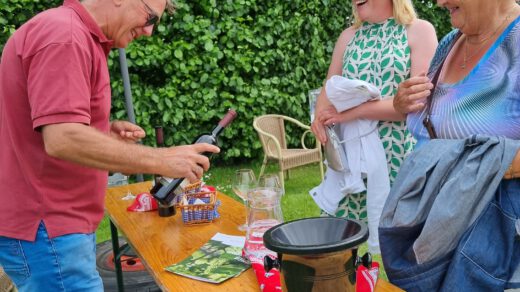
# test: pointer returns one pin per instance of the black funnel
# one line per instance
(316, 254)
(315, 235)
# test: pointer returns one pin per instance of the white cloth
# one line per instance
(366, 157)
(346, 93)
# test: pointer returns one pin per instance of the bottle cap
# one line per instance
(228, 118)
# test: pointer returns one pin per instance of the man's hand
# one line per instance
(126, 131)
(186, 161)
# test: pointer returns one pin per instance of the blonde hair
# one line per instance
(403, 12)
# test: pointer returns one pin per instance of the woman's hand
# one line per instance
(514, 168)
(329, 116)
(318, 129)
(126, 131)
(322, 118)
(411, 94)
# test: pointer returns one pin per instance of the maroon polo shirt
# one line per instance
(53, 70)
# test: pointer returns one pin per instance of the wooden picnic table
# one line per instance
(163, 241)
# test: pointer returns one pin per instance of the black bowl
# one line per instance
(315, 235)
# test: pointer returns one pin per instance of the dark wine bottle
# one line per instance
(166, 194)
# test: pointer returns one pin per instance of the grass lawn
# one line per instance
(296, 203)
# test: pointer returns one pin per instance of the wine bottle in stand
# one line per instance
(167, 194)
(163, 210)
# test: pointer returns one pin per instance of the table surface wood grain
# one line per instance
(163, 241)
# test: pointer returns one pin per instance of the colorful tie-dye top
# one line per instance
(486, 101)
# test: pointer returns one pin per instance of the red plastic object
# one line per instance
(366, 278)
(143, 202)
(268, 281)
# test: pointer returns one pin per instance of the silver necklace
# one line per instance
(467, 57)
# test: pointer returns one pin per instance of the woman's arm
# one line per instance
(335, 68)
(412, 93)
(422, 40)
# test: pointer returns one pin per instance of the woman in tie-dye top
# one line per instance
(477, 92)
(484, 101)
(386, 45)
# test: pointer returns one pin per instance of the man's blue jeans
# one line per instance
(64, 263)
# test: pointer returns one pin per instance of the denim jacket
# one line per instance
(440, 192)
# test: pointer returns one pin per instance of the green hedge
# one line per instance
(256, 56)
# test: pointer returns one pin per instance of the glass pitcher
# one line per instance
(265, 211)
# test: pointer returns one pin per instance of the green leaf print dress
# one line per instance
(379, 54)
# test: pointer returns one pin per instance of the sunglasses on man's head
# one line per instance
(152, 18)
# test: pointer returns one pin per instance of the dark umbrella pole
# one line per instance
(128, 94)
(139, 177)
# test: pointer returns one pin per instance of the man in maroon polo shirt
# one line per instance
(58, 144)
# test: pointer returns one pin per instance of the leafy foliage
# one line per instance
(255, 56)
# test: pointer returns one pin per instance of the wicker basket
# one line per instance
(199, 213)
(192, 188)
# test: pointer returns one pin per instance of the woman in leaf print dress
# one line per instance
(385, 46)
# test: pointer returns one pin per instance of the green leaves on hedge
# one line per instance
(256, 56)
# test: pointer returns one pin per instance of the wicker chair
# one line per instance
(271, 130)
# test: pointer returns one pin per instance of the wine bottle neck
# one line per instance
(217, 130)
(159, 136)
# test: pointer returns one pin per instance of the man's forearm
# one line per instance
(89, 147)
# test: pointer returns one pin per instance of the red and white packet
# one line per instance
(366, 278)
(143, 202)
(268, 281)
